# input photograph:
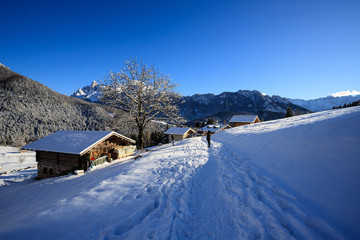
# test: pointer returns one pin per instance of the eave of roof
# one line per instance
(109, 135)
(243, 118)
(178, 130)
(211, 128)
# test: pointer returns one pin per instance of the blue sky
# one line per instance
(292, 48)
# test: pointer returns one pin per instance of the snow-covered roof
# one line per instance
(212, 128)
(178, 130)
(243, 118)
(73, 142)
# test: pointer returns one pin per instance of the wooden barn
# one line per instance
(240, 120)
(180, 133)
(63, 152)
(213, 128)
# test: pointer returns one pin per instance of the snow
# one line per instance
(91, 93)
(16, 166)
(243, 118)
(160, 122)
(212, 128)
(345, 93)
(80, 92)
(316, 156)
(73, 142)
(177, 130)
(326, 103)
(93, 84)
(295, 178)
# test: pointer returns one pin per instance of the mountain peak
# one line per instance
(91, 93)
(94, 84)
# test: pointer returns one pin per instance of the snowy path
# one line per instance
(183, 192)
(167, 182)
(229, 200)
(224, 199)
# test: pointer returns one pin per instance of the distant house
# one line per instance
(63, 152)
(213, 128)
(179, 133)
(240, 120)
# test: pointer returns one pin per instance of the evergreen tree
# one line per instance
(211, 121)
(289, 112)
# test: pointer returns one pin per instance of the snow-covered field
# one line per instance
(295, 178)
(315, 157)
(16, 166)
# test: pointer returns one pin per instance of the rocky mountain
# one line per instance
(29, 110)
(226, 104)
(222, 106)
(333, 100)
(90, 93)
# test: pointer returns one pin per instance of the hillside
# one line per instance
(303, 184)
(30, 110)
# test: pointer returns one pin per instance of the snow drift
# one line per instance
(316, 157)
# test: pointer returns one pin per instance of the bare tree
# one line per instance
(142, 93)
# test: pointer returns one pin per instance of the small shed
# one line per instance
(240, 120)
(63, 152)
(213, 128)
(180, 133)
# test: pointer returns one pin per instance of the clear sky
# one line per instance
(292, 48)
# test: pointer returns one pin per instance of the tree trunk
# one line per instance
(141, 138)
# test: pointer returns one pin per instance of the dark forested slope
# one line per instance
(30, 110)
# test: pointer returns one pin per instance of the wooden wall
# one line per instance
(52, 164)
(70, 160)
(237, 124)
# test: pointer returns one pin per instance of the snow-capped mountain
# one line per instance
(90, 93)
(221, 107)
(333, 100)
(226, 104)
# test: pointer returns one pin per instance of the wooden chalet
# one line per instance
(63, 152)
(240, 120)
(180, 133)
(213, 128)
